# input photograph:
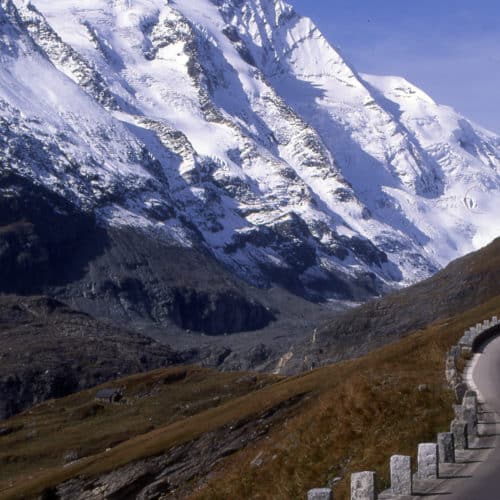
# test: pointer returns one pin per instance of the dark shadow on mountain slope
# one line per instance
(49, 351)
(45, 241)
(49, 246)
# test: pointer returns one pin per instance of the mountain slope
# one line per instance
(465, 283)
(235, 128)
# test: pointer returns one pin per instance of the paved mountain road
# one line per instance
(478, 469)
(484, 483)
(476, 475)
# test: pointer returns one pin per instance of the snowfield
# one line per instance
(237, 127)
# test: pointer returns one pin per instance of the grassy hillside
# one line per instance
(341, 418)
(367, 410)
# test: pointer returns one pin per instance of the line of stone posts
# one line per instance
(430, 455)
(462, 430)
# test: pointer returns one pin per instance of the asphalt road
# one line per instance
(485, 481)
(476, 475)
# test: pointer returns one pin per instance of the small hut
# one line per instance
(110, 395)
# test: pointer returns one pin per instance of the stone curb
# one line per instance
(429, 460)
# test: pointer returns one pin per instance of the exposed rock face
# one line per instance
(217, 312)
(44, 240)
(48, 351)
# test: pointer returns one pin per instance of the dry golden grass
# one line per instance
(356, 415)
(34, 452)
(372, 410)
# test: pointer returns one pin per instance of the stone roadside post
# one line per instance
(446, 448)
(460, 434)
(320, 494)
(401, 477)
(427, 461)
(363, 486)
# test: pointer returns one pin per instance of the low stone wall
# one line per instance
(463, 429)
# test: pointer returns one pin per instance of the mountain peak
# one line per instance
(236, 127)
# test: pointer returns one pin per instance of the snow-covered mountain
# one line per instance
(236, 127)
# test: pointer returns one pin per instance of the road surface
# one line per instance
(484, 483)
(476, 475)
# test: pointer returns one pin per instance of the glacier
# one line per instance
(237, 127)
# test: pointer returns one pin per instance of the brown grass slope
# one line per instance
(355, 415)
(367, 410)
(318, 426)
